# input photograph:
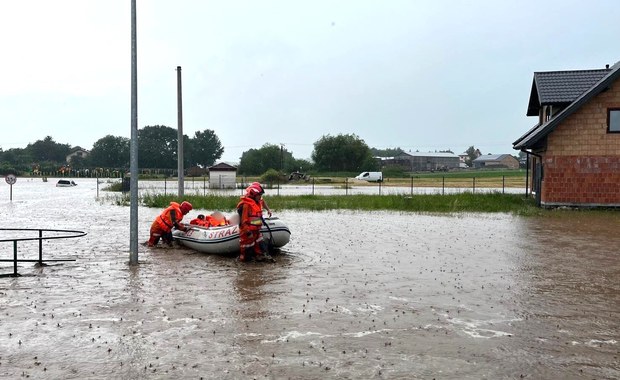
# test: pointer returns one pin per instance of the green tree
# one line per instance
(205, 148)
(49, 150)
(270, 177)
(157, 147)
(300, 165)
(110, 152)
(342, 153)
(269, 156)
(472, 154)
(79, 162)
(17, 156)
(389, 152)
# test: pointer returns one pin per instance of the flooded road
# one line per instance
(354, 295)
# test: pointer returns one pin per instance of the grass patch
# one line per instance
(463, 202)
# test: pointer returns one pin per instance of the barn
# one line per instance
(496, 161)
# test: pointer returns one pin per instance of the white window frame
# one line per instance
(613, 120)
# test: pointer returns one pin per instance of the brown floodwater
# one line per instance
(354, 295)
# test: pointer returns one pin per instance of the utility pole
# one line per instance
(133, 160)
(280, 173)
(180, 132)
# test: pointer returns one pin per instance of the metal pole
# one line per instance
(180, 131)
(503, 183)
(474, 188)
(443, 185)
(15, 258)
(40, 247)
(133, 210)
(527, 174)
(346, 186)
(280, 174)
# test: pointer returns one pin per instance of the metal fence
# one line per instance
(346, 186)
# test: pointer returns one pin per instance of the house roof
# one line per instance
(427, 154)
(561, 87)
(540, 131)
(222, 166)
(491, 157)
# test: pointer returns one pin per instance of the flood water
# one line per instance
(354, 295)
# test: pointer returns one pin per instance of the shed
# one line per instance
(496, 161)
(222, 176)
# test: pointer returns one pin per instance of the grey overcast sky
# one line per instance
(419, 74)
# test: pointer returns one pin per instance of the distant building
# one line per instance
(574, 149)
(222, 176)
(498, 161)
(423, 161)
(464, 157)
(76, 152)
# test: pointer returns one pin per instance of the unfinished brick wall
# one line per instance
(582, 161)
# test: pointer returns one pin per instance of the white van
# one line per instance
(371, 176)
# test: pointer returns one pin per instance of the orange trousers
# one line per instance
(250, 243)
(157, 232)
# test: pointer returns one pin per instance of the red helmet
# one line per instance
(253, 190)
(186, 207)
(257, 184)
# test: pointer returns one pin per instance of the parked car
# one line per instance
(65, 183)
(371, 176)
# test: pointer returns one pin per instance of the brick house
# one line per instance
(573, 152)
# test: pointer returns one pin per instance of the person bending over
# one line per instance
(169, 218)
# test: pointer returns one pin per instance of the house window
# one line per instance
(613, 120)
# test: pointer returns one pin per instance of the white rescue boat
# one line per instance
(225, 239)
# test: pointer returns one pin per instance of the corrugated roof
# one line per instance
(540, 131)
(561, 87)
(491, 157)
(429, 154)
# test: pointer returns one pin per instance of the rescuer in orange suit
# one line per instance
(170, 217)
(250, 212)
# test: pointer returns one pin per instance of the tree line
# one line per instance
(157, 149)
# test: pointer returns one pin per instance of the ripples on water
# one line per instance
(354, 295)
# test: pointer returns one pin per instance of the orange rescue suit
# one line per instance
(250, 222)
(165, 219)
(162, 225)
